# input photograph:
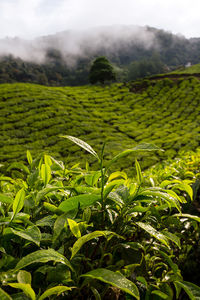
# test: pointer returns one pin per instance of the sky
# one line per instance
(32, 18)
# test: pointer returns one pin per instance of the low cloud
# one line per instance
(76, 43)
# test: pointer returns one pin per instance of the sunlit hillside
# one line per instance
(164, 112)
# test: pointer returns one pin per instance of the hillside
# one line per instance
(194, 69)
(164, 112)
(65, 58)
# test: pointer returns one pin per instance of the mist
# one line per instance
(75, 44)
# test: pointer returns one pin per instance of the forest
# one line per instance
(131, 57)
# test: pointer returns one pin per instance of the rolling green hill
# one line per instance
(195, 69)
(164, 112)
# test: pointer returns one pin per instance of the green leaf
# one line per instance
(168, 259)
(118, 156)
(69, 204)
(82, 200)
(20, 166)
(4, 295)
(185, 187)
(81, 144)
(29, 157)
(117, 175)
(26, 288)
(18, 202)
(47, 160)
(42, 256)
(5, 199)
(111, 185)
(153, 232)
(191, 289)
(57, 290)
(86, 238)
(32, 234)
(47, 190)
(139, 173)
(160, 294)
(171, 200)
(187, 216)
(114, 279)
(178, 184)
(95, 293)
(24, 277)
(58, 226)
(74, 227)
(143, 147)
(50, 207)
(45, 173)
(142, 280)
(178, 289)
(174, 238)
(46, 221)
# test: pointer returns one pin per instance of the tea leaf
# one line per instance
(191, 289)
(20, 166)
(115, 279)
(139, 173)
(86, 238)
(32, 234)
(29, 157)
(171, 200)
(196, 218)
(5, 199)
(83, 200)
(26, 288)
(174, 238)
(45, 173)
(143, 147)
(4, 295)
(81, 144)
(18, 202)
(152, 231)
(160, 294)
(74, 228)
(58, 226)
(24, 277)
(42, 256)
(57, 290)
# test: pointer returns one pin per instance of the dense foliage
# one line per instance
(101, 71)
(165, 112)
(87, 234)
(54, 71)
(133, 57)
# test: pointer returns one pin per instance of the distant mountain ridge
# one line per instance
(65, 58)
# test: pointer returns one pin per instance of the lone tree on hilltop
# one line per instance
(101, 71)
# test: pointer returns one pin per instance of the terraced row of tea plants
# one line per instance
(163, 112)
(73, 233)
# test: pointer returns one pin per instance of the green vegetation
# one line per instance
(195, 69)
(164, 112)
(155, 51)
(92, 234)
(146, 67)
(101, 71)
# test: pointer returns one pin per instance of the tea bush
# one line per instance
(164, 111)
(72, 233)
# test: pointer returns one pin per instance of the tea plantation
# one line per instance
(95, 231)
(164, 112)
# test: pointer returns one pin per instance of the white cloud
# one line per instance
(30, 18)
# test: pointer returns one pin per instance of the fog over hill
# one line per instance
(76, 43)
(73, 51)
